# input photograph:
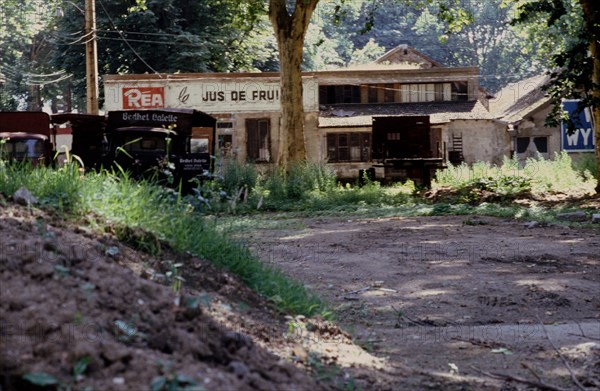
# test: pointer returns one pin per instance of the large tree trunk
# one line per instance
(290, 30)
(592, 24)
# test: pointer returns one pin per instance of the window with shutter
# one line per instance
(348, 147)
(258, 140)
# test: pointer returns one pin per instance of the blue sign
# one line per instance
(582, 139)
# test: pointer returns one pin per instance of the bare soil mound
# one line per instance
(74, 306)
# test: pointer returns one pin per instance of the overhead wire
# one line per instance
(154, 42)
(85, 36)
(141, 33)
(126, 41)
(16, 75)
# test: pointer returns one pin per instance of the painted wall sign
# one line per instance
(143, 98)
(582, 139)
(154, 118)
(210, 96)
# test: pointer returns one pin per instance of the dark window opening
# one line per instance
(224, 125)
(258, 141)
(389, 94)
(150, 144)
(22, 148)
(460, 91)
(373, 93)
(541, 143)
(339, 94)
(522, 144)
(348, 147)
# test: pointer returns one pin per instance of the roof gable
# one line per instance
(517, 100)
(402, 54)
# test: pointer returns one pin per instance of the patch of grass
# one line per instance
(146, 214)
(305, 187)
(60, 188)
(537, 175)
(162, 213)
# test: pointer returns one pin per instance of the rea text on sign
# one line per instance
(143, 98)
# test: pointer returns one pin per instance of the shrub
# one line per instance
(235, 176)
(512, 177)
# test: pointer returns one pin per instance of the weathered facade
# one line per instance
(247, 106)
(341, 107)
(521, 109)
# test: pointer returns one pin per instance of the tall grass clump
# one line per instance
(513, 177)
(305, 186)
(234, 176)
(558, 175)
(587, 164)
(141, 204)
(298, 182)
(57, 188)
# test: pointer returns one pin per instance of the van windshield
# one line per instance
(22, 148)
(145, 144)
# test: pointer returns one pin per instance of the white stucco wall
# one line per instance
(483, 140)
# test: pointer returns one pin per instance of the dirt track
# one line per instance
(451, 294)
(436, 295)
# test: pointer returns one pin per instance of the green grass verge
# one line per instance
(123, 201)
(294, 220)
(307, 191)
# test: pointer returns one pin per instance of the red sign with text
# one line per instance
(143, 98)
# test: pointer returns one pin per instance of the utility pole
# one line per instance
(91, 57)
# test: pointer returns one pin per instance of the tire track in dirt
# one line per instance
(445, 277)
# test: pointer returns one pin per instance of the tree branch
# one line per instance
(562, 357)
(502, 376)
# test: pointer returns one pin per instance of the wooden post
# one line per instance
(91, 57)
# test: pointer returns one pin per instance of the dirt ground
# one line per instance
(425, 303)
(94, 314)
(454, 297)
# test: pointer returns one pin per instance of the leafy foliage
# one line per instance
(47, 38)
(24, 50)
(40, 379)
(539, 176)
(558, 29)
(452, 32)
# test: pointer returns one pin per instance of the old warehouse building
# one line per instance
(404, 106)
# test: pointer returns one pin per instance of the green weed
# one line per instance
(43, 379)
(173, 381)
(513, 178)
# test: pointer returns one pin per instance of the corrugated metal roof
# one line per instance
(439, 112)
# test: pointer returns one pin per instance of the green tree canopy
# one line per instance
(478, 35)
(567, 31)
(24, 50)
(166, 36)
